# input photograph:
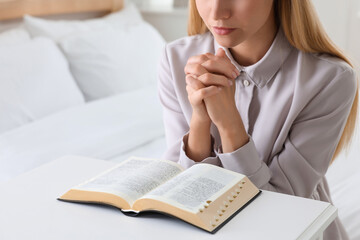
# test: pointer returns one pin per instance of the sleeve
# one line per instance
(176, 126)
(309, 147)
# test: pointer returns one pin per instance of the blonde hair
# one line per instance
(304, 31)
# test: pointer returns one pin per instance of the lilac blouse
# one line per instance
(294, 107)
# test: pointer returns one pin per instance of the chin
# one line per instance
(227, 40)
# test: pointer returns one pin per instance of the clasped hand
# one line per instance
(210, 86)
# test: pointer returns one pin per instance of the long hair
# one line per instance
(304, 31)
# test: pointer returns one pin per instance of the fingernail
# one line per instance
(237, 71)
(234, 75)
(230, 82)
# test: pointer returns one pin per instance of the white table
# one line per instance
(29, 210)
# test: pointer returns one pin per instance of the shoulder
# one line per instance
(325, 84)
(319, 72)
(181, 49)
(336, 66)
(191, 41)
(340, 73)
(329, 68)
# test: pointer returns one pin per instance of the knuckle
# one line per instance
(188, 78)
(191, 59)
(206, 77)
(203, 58)
(222, 78)
(211, 62)
(197, 59)
(202, 93)
(216, 58)
(198, 68)
(195, 86)
(209, 55)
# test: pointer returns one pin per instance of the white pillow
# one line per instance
(114, 54)
(35, 82)
(14, 36)
(111, 61)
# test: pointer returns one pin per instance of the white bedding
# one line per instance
(112, 128)
(344, 180)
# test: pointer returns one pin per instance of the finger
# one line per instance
(210, 55)
(209, 79)
(221, 53)
(195, 69)
(193, 82)
(197, 59)
(192, 98)
(203, 93)
(194, 101)
(221, 67)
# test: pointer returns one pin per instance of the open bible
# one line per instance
(203, 195)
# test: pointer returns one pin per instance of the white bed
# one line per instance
(111, 128)
(84, 87)
(71, 87)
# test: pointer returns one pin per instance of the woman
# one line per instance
(258, 88)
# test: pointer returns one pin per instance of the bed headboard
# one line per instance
(12, 9)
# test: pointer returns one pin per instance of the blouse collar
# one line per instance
(263, 71)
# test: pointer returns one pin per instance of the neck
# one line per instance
(253, 49)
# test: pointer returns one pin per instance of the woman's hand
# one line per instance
(221, 107)
(197, 92)
(198, 146)
(217, 70)
(204, 73)
(201, 85)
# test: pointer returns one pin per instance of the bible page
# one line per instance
(196, 185)
(132, 178)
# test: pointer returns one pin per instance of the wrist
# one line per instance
(230, 124)
(198, 121)
(233, 136)
(198, 143)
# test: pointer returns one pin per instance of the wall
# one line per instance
(171, 23)
(341, 20)
(334, 16)
(354, 31)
